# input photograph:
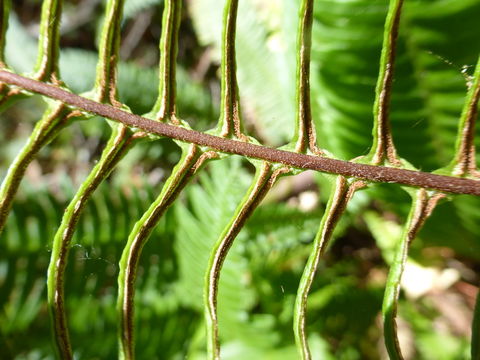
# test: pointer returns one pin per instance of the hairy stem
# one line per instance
(230, 118)
(46, 68)
(383, 147)
(304, 137)
(119, 143)
(165, 107)
(192, 160)
(341, 195)
(464, 162)
(422, 207)
(301, 161)
(105, 88)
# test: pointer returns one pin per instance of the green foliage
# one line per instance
(133, 7)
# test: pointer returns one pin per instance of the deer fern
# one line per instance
(309, 148)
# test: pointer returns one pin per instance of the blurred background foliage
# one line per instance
(437, 49)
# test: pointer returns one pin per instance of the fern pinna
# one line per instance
(381, 164)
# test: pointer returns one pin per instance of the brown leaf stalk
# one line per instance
(301, 161)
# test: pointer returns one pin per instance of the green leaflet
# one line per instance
(191, 161)
(120, 141)
(201, 221)
(46, 67)
(344, 77)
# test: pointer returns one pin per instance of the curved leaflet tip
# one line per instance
(341, 194)
(422, 207)
(122, 139)
(191, 162)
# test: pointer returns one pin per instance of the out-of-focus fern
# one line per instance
(91, 276)
(171, 276)
(349, 35)
(133, 7)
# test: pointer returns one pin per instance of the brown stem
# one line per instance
(383, 148)
(362, 171)
(305, 137)
(230, 121)
(464, 162)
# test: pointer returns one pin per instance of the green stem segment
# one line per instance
(106, 79)
(383, 147)
(46, 68)
(55, 118)
(230, 119)
(422, 207)
(264, 179)
(4, 14)
(304, 137)
(192, 160)
(464, 162)
(120, 141)
(341, 195)
(165, 107)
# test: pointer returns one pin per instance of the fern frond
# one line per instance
(330, 82)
